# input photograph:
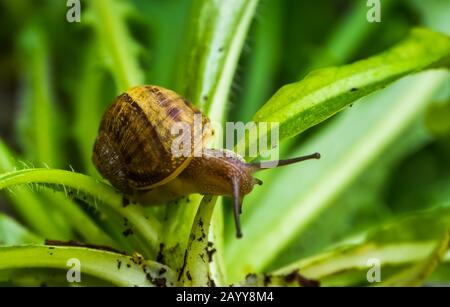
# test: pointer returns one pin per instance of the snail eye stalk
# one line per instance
(237, 207)
(257, 166)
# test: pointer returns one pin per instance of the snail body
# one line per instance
(210, 174)
(133, 151)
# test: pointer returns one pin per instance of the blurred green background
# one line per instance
(56, 78)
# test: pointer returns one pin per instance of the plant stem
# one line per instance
(195, 271)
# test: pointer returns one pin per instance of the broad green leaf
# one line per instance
(12, 233)
(380, 191)
(325, 92)
(436, 17)
(362, 204)
(114, 268)
(216, 37)
(280, 213)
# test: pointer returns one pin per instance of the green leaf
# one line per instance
(348, 146)
(348, 258)
(42, 212)
(12, 233)
(166, 23)
(88, 107)
(177, 225)
(417, 274)
(324, 92)
(433, 13)
(38, 118)
(217, 34)
(348, 37)
(46, 277)
(436, 119)
(395, 243)
(77, 218)
(266, 50)
(30, 207)
(361, 205)
(114, 268)
(292, 279)
(117, 45)
(92, 191)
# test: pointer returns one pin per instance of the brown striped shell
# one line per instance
(133, 146)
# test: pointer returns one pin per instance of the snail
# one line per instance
(133, 151)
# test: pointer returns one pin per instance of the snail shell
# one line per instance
(133, 148)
